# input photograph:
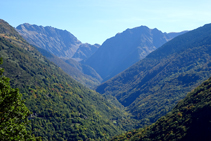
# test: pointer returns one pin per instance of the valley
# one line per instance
(141, 84)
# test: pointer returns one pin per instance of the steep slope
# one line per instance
(85, 51)
(123, 50)
(62, 109)
(81, 73)
(190, 120)
(61, 43)
(58, 42)
(152, 86)
(85, 69)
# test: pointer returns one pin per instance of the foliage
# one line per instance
(13, 113)
(150, 88)
(62, 109)
(190, 119)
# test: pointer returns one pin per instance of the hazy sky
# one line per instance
(93, 21)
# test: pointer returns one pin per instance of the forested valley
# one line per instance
(165, 95)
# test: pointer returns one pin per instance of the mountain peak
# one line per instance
(124, 49)
(58, 42)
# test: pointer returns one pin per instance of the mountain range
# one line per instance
(151, 87)
(146, 73)
(115, 55)
(125, 49)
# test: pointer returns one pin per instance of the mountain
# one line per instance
(61, 43)
(188, 121)
(62, 109)
(151, 87)
(58, 42)
(123, 50)
(85, 51)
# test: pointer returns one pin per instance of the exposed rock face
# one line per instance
(61, 43)
(58, 42)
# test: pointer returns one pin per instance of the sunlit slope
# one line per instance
(62, 109)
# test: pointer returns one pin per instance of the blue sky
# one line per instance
(93, 21)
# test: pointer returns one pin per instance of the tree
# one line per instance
(13, 112)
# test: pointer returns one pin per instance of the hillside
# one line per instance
(81, 73)
(188, 121)
(56, 44)
(123, 50)
(62, 109)
(150, 88)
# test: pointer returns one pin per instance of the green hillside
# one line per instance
(62, 109)
(150, 88)
(190, 120)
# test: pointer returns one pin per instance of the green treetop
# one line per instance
(13, 112)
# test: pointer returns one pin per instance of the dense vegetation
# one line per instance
(189, 120)
(150, 88)
(13, 112)
(62, 109)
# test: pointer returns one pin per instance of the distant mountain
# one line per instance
(58, 42)
(188, 121)
(85, 51)
(61, 43)
(123, 50)
(62, 109)
(152, 86)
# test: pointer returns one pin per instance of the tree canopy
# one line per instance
(13, 112)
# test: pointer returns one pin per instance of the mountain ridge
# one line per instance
(124, 49)
(59, 42)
